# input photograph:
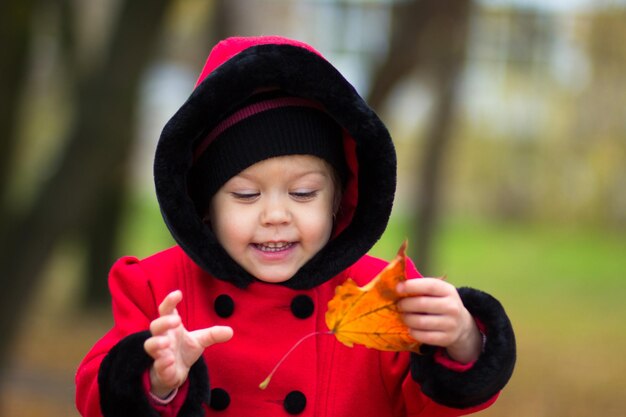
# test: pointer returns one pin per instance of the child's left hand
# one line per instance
(435, 315)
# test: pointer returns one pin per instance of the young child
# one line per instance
(275, 178)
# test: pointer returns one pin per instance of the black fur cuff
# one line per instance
(491, 371)
(120, 382)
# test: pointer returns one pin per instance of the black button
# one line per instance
(220, 400)
(302, 306)
(224, 306)
(295, 402)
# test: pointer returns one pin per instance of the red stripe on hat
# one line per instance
(249, 111)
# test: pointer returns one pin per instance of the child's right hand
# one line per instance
(174, 349)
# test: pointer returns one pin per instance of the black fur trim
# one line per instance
(120, 382)
(298, 72)
(491, 371)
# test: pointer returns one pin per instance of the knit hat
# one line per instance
(265, 125)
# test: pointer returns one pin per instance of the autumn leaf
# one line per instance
(369, 315)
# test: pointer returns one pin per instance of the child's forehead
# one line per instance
(280, 167)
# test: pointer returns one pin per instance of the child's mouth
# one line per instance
(272, 247)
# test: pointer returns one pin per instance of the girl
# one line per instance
(275, 179)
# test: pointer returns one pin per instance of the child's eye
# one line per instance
(245, 196)
(303, 195)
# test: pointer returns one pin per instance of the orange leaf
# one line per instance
(369, 315)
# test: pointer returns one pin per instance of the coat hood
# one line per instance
(234, 70)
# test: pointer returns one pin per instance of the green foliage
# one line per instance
(143, 229)
(526, 261)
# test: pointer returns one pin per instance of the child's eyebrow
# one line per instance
(314, 175)
(313, 172)
(253, 177)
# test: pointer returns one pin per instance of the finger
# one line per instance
(428, 322)
(212, 335)
(169, 303)
(425, 304)
(154, 345)
(433, 338)
(163, 362)
(417, 304)
(163, 324)
(164, 367)
(433, 287)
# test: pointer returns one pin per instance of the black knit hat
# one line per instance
(264, 126)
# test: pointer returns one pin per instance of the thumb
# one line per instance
(212, 335)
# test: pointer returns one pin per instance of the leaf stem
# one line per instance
(267, 380)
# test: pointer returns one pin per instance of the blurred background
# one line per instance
(510, 121)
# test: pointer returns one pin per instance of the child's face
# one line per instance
(275, 215)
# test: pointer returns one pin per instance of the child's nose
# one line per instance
(275, 212)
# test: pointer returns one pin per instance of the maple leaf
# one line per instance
(369, 315)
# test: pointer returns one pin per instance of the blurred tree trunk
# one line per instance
(448, 37)
(101, 234)
(222, 19)
(101, 227)
(409, 22)
(15, 37)
(94, 158)
(430, 36)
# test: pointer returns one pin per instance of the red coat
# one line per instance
(335, 380)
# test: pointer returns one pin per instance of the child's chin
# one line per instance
(274, 275)
(274, 279)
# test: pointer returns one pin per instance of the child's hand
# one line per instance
(436, 316)
(174, 349)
